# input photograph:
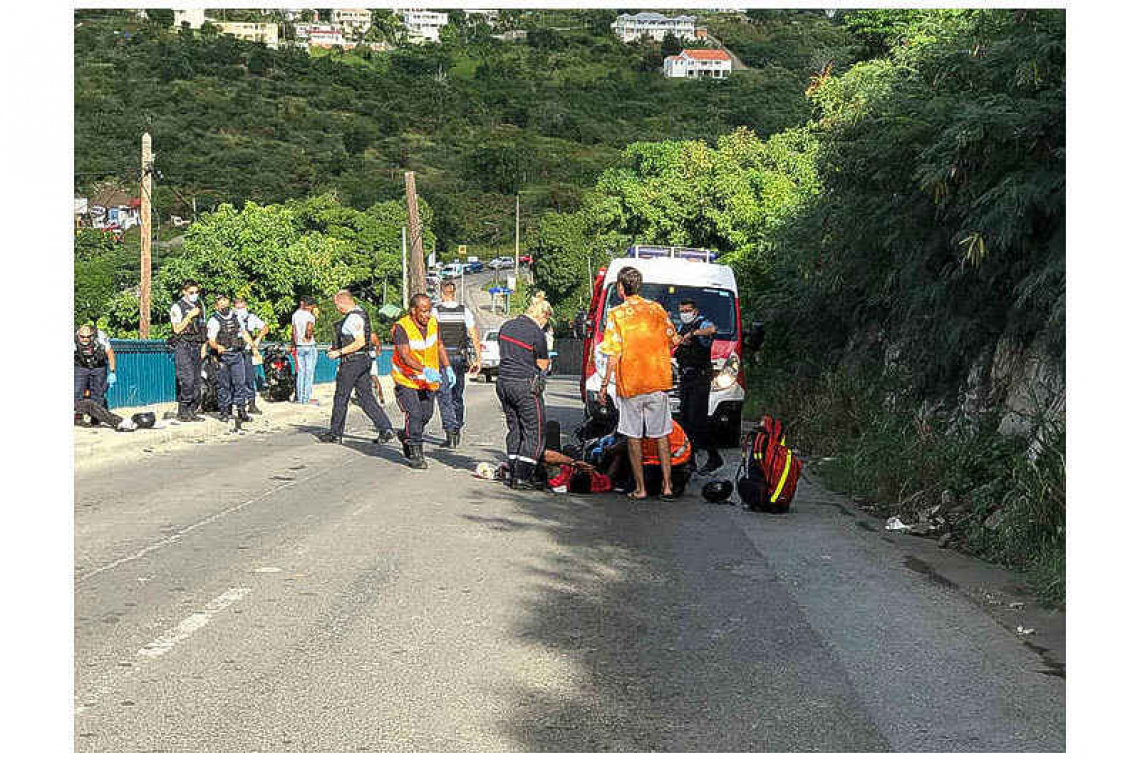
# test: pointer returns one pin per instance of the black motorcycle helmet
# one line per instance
(143, 419)
(717, 491)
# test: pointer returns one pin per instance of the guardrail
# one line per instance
(144, 371)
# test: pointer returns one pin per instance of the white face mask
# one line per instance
(192, 298)
(688, 316)
(242, 312)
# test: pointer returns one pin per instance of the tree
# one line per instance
(670, 45)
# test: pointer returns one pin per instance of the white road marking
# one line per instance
(267, 570)
(190, 625)
(174, 537)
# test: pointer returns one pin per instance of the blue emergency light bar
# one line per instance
(671, 252)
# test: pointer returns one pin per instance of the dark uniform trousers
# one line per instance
(353, 372)
(232, 389)
(188, 370)
(96, 412)
(694, 411)
(450, 397)
(94, 380)
(417, 404)
(526, 420)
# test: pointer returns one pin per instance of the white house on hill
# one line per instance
(422, 24)
(698, 64)
(630, 28)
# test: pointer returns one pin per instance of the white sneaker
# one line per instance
(127, 425)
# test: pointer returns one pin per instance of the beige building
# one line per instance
(195, 17)
(353, 19)
(266, 33)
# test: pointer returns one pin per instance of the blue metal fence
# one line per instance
(144, 371)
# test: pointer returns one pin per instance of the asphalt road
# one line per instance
(276, 594)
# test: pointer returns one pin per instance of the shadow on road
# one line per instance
(669, 631)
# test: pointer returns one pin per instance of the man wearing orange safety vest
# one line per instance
(417, 363)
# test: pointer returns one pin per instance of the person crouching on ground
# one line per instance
(638, 343)
(418, 362)
(94, 368)
(523, 363)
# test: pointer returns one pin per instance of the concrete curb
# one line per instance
(99, 446)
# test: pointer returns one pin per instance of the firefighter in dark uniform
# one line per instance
(94, 367)
(189, 340)
(693, 353)
(352, 340)
(228, 340)
(458, 332)
(523, 362)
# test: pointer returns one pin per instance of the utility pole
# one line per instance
(416, 260)
(404, 267)
(144, 234)
(516, 239)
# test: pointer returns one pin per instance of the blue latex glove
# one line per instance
(111, 378)
(450, 375)
(432, 375)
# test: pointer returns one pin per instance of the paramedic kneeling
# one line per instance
(523, 362)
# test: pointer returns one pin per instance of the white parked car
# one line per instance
(489, 351)
(451, 271)
(501, 262)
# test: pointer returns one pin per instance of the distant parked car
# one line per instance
(489, 351)
(471, 267)
(501, 262)
(451, 271)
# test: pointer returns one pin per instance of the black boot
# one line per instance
(712, 464)
(242, 415)
(252, 408)
(404, 444)
(453, 439)
(524, 477)
(385, 436)
(329, 437)
(192, 414)
(224, 415)
(417, 458)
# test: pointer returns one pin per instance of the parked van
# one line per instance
(668, 276)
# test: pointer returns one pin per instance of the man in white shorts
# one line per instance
(638, 347)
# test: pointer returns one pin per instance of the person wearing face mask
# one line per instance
(228, 341)
(94, 367)
(352, 338)
(693, 352)
(523, 362)
(418, 366)
(257, 329)
(188, 341)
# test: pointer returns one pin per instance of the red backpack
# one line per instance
(769, 471)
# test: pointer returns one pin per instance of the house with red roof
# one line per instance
(698, 64)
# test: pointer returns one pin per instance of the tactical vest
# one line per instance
(340, 340)
(91, 356)
(453, 327)
(424, 349)
(229, 335)
(693, 355)
(195, 332)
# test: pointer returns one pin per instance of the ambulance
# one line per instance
(670, 275)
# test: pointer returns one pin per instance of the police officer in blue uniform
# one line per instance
(188, 340)
(257, 329)
(228, 341)
(693, 354)
(461, 338)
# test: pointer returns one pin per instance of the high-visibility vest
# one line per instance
(679, 448)
(424, 347)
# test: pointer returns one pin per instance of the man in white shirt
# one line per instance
(459, 335)
(257, 329)
(305, 350)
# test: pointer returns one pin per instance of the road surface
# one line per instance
(275, 594)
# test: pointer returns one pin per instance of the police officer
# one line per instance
(418, 365)
(228, 340)
(94, 367)
(257, 329)
(352, 337)
(458, 332)
(694, 363)
(189, 340)
(523, 362)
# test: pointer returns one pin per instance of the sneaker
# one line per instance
(126, 426)
(329, 437)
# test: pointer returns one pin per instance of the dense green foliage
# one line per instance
(477, 118)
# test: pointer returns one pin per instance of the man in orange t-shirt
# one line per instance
(638, 346)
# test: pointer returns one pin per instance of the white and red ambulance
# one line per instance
(670, 275)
